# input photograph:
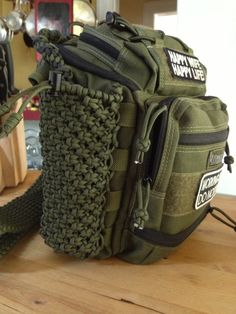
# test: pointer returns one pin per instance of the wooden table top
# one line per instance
(199, 277)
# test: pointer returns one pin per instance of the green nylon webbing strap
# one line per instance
(120, 159)
(19, 216)
(127, 116)
(113, 201)
(16, 117)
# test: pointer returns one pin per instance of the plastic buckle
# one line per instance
(55, 78)
(111, 18)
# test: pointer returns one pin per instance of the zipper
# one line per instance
(204, 138)
(146, 170)
(80, 63)
(100, 44)
(171, 240)
(158, 136)
(109, 40)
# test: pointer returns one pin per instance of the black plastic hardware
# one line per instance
(54, 79)
(111, 17)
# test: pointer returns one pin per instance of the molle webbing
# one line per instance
(19, 216)
(78, 135)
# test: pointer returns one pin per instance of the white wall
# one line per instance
(102, 6)
(209, 27)
(160, 6)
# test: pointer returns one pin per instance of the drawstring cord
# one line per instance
(15, 117)
(140, 215)
(228, 160)
(231, 223)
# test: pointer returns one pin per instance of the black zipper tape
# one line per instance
(78, 62)
(153, 158)
(100, 44)
(204, 138)
(171, 240)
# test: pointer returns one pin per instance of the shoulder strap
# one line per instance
(19, 216)
(16, 117)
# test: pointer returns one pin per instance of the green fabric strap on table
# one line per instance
(19, 216)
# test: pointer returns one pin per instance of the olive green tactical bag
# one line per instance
(132, 148)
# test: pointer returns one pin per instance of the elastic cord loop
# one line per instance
(231, 223)
(143, 142)
(10, 104)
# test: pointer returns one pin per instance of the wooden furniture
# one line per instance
(13, 164)
(199, 277)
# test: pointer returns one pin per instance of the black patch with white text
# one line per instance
(207, 188)
(184, 66)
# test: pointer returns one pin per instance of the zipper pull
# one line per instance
(140, 215)
(55, 78)
(230, 223)
(143, 142)
(228, 160)
(143, 145)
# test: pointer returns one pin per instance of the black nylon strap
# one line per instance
(170, 240)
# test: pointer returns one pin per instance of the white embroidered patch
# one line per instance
(207, 188)
(185, 66)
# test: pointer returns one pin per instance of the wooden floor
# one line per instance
(200, 277)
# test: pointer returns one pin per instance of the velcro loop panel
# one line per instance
(120, 160)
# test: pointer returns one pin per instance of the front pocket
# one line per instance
(181, 186)
(197, 164)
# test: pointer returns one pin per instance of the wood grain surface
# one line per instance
(199, 277)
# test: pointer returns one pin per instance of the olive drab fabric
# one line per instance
(132, 148)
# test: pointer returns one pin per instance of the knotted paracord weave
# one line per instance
(78, 135)
(46, 44)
